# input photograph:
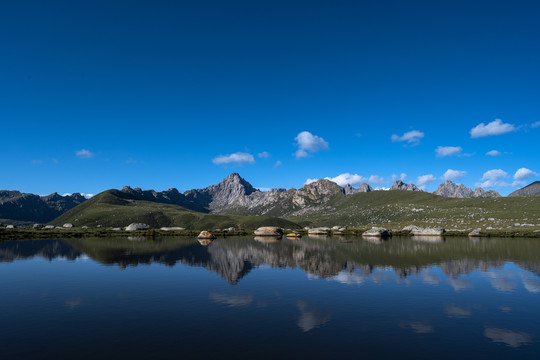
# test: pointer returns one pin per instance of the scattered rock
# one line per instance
(84, 227)
(268, 231)
(48, 227)
(475, 232)
(319, 231)
(37, 226)
(434, 231)
(136, 226)
(67, 225)
(294, 235)
(10, 227)
(377, 232)
(206, 235)
(117, 229)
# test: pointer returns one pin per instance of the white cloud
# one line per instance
(448, 150)
(411, 137)
(523, 174)
(84, 154)
(493, 153)
(535, 124)
(355, 179)
(309, 181)
(236, 158)
(492, 178)
(87, 196)
(308, 143)
(278, 163)
(496, 127)
(425, 179)
(453, 174)
(401, 177)
(264, 155)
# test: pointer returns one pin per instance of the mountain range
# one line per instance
(232, 196)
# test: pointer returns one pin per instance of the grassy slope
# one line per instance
(400, 208)
(109, 209)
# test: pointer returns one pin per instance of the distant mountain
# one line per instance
(400, 185)
(348, 189)
(115, 208)
(34, 208)
(532, 189)
(449, 189)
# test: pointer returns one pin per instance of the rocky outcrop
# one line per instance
(348, 189)
(449, 189)
(532, 189)
(400, 185)
(430, 231)
(481, 193)
(19, 206)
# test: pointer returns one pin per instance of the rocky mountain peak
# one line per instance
(449, 189)
(533, 189)
(348, 189)
(481, 193)
(400, 185)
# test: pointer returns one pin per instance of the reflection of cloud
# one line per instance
(454, 311)
(430, 279)
(231, 300)
(73, 303)
(500, 281)
(532, 285)
(418, 327)
(509, 337)
(505, 308)
(459, 284)
(310, 319)
(349, 278)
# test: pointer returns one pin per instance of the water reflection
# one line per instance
(231, 300)
(310, 317)
(508, 337)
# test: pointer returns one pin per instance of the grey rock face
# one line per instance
(481, 193)
(400, 185)
(348, 189)
(449, 189)
(268, 231)
(377, 232)
(532, 189)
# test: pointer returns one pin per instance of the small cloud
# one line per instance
(264, 155)
(84, 154)
(236, 158)
(535, 124)
(308, 143)
(493, 153)
(443, 151)
(425, 179)
(355, 179)
(456, 312)
(523, 174)
(412, 137)
(511, 338)
(309, 181)
(496, 127)
(264, 189)
(453, 174)
(278, 163)
(492, 178)
(401, 177)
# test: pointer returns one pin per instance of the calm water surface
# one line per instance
(314, 297)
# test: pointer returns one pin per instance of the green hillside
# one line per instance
(113, 208)
(401, 208)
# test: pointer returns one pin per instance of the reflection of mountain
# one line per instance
(350, 262)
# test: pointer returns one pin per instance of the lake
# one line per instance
(241, 297)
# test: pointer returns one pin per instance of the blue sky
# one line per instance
(100, 94)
